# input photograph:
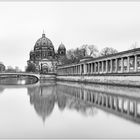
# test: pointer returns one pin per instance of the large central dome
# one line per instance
(43, 42)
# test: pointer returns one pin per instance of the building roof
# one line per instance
(44, 42)
(61, 46)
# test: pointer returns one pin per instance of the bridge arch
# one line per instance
(21, 75)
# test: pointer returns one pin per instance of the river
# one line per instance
(61, 110)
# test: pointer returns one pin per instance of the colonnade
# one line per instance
(116, 64)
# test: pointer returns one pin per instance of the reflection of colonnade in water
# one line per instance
(122, 105)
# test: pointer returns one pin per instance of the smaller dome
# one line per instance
(61, 46)
(31, 51)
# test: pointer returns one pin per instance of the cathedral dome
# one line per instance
(61, 47)
(43, 42)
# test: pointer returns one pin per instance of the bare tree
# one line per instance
(107, 51)
(93, 51)
(134, 45)
(83, 49)
(74, 55)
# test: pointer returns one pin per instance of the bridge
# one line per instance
(35, 76)
(23, 75)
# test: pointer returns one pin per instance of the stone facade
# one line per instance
(44, 56)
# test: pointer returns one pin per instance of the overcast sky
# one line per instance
(103, 24)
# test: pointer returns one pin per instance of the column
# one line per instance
(96, 98)
(98, 67)
(121, 64)
(106, 66)
(85, 68)
(91, 67)
(122, 105)
(106, 101)
(117, 103)
(102, 100)
(94, 66)
(128, 64)
(128, 107)
(102, 66)
(116, 65)
(110, 101)
(135, 69)
(111, 65)
(135, 108)
(85, 96)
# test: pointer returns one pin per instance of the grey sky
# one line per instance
(103, 24)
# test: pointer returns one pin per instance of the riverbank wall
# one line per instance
(112, 79)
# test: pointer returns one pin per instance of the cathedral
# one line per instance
(44, 57)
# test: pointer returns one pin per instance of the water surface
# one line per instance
(59, 110)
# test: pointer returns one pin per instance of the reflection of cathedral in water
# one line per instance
(44, 97)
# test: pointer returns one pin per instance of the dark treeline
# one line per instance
(75, 55)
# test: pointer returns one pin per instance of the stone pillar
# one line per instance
(121, 64)
(96, 98)
(117, 103)
(80, 69)
(85, 96)
(91, 67)
(122, 105)
(106, 66)
(102, 66)
(110, 100)
(111, 66)
(116, 65)
(98, 67)
(128, 107)
(135, 108)
(102, 100)
(106, 101)
(135, 66)
(85, 68)
(88, 68)
(128, 64)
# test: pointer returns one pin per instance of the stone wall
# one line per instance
(132, 80)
